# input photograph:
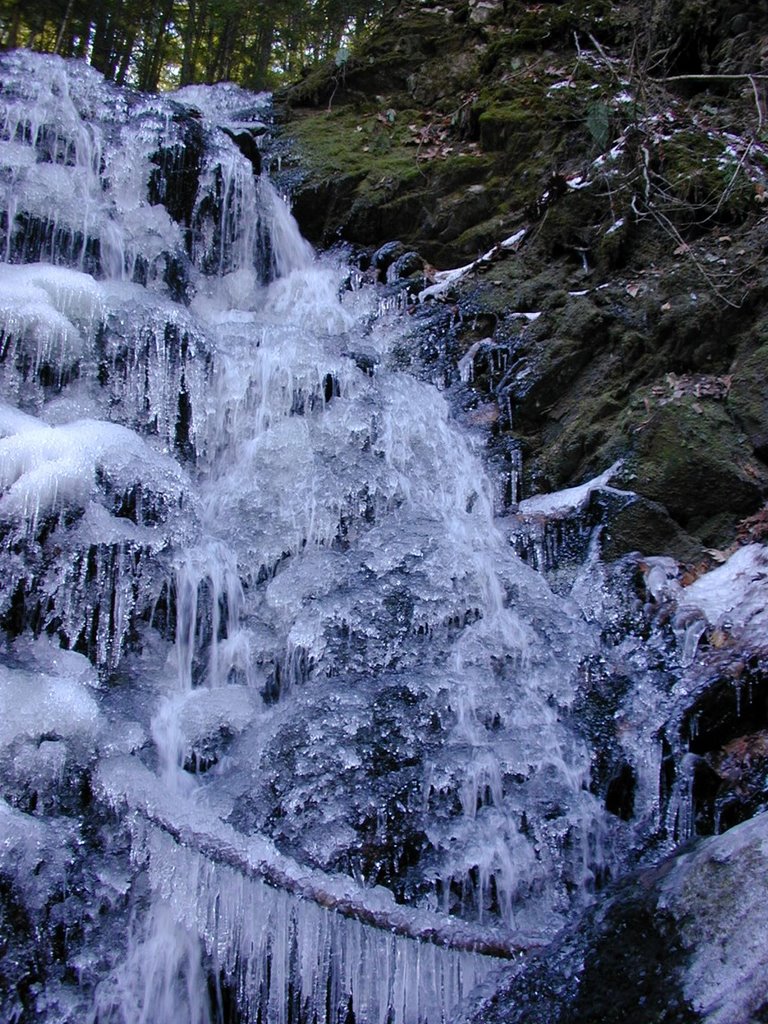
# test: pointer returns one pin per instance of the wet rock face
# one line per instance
(726, 730)
(174, 180)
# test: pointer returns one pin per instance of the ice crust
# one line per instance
(245, 923)
(734, 595)
(45, 469)
(33, 705)
(559, 502)
(78, 156)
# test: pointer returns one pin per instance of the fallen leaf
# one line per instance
(718, 638)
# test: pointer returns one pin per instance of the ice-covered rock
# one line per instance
(691, 948)
(33, 706)
(733, 596)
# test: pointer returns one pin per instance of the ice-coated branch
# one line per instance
(125, 782)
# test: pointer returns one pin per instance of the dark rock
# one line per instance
(176, 175)
(29, 239)
(245, 140)
(690, 457)
(638, 524)
(407, 265)
(322, 207)
(386, 255)
(365, 362)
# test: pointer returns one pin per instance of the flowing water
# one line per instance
(280, 701)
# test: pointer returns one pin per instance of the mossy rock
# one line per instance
(462, 170)
(536, 26)
(699, 182)
(555, 361)
(572, 223)
(646, 527)
(748, 399)
(403, 41)
(509, 127)
(690, 457)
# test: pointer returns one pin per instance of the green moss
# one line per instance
(507, 126)
(462, 169)
(689, 456)
(748, 399)
(531, 122)
(697, 178)
(354, 142)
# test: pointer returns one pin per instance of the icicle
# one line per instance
(680, 812)
(210, 571)
(273, 949)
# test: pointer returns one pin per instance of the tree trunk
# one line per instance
(63, 27)
(103, 37)
(126, 56)
(12, 40)
(260, 56)
(196, 18)
(154, 63)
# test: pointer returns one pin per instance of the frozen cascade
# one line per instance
(205, 488)
(306, 730)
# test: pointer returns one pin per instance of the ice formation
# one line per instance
(249, 559)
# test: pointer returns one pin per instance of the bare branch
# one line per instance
(707, 77)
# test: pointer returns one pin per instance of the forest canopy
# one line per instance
(152, 44)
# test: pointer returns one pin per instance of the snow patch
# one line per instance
(558, 502)
(445, 278)
(733, 596)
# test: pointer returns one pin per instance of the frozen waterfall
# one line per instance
(269, 653)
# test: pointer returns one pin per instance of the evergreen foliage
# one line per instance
(153, 44)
